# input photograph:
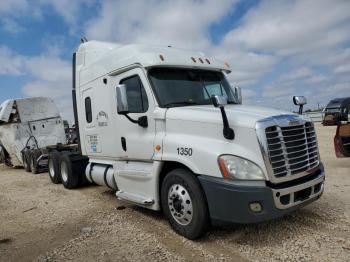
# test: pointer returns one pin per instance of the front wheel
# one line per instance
(184, 203)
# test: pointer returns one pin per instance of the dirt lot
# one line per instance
(41, 221)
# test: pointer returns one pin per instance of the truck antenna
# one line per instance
(83, 39)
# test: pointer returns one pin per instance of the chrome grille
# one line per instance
(292, 149)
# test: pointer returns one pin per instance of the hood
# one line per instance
(238, 115)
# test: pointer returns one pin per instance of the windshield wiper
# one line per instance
(180, 103)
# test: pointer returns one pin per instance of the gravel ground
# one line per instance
(40, 221)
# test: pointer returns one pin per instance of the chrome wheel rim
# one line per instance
(64, 172)
(51, 168)
(180, 204)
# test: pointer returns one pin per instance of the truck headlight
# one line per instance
(234, 167)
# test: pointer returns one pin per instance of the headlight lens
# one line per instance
(234, 167)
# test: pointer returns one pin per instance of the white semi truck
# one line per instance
(27, 126)
(163, 128)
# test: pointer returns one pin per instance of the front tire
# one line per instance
(184, 204)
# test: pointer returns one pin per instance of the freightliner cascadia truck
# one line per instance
(163, 128)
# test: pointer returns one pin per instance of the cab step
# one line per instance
(134, 198)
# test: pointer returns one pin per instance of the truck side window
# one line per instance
(137, 98)
(214, 89)
(88, 110)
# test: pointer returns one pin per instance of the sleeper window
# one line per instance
(137, 98)
(88, 110)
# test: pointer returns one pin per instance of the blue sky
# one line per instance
(277, 49)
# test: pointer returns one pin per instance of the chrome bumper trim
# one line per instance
(291, 191)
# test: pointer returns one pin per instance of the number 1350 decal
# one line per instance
(184, 151)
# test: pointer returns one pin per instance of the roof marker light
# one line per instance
(201, 60)
(161, 57)
(207, 61)
(193, 59)
(227, 65)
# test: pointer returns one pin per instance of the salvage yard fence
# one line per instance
(315, 116)
(318, 116)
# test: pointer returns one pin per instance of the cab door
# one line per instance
(136, 141)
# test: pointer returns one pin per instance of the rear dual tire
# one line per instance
(54, 170)
(68, 168)
(33, 157)
(29, 158)
(69, 172)
(26, 160)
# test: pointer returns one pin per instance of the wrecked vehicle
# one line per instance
(27, 127)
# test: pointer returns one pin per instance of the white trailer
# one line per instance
(27, 126)
(163, 128)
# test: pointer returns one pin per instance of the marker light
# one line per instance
(227, 65)
(161, 57)
(201, 60)
(194, 59)
(234, 167)
(207, 61)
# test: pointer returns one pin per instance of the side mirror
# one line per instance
(219, 101)
(299, 101)
(237, 94)
(122, 100)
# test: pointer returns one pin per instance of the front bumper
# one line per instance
(230, 203)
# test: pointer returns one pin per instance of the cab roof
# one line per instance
(95, 58)
(338, 102)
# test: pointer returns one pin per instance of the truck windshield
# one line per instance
(333, 110)
(185, 87)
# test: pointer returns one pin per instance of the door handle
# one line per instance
(123, 141)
